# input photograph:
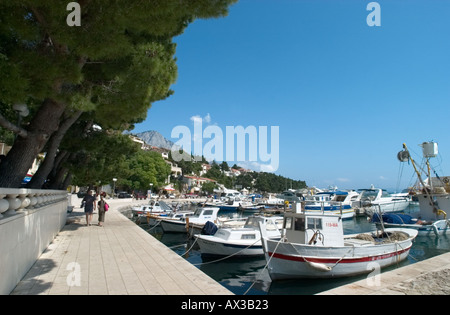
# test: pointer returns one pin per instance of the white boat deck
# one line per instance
(119, 258)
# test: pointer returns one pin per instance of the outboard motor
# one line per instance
(209, 228)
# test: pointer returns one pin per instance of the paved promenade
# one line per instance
(119, 258)
(431, 276)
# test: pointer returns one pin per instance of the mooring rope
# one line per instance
(226, 257)
(159, 222)
(265, 267)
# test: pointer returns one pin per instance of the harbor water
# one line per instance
(239, 274)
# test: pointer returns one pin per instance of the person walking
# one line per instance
(89, 206)
(102, 208)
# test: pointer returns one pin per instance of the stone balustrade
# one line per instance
(29, 221)
(13, 200)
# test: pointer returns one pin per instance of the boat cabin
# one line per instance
(335, 198)
(314, 229)
(206, 213)
(271, 223)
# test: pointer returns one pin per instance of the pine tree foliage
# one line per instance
(113, 66)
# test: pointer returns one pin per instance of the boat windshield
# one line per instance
(203, 212)
(384, 193)
(252, 222)
(369, 194)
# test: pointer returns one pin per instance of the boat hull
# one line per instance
(348, 213)
(173, 226)
(212, 246)
(228, 208)
(291, 261)
(440, 227)
(177, 226)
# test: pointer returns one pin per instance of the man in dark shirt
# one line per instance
(89, 207)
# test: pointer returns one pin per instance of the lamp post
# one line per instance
(114, 187)
(151, 190)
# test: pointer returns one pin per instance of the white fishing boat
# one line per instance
(244, 241)
(231, 204)
(433, 198)
(154, 206)
(335, 202)
(375, 200)
(250, 207)
(273, 201)
(314, 246)
(154, 219)
(197, 221)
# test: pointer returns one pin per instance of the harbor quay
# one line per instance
(427, 277)
(119, 258)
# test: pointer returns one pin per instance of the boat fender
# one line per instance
(435, 229)
(320, 267)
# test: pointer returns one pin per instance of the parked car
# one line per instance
(124, 194)
(140, 196)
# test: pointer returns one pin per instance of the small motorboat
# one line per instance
(154, 219)
(244, 241)
(336, 202)
(190, 223)
(154, 207)
(314, 246)
(379, 200)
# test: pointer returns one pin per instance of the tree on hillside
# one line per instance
(269, 182)
(60, 71)
(144, 168)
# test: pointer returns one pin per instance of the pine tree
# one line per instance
(114, 65)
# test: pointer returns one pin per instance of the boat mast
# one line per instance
(427, 191)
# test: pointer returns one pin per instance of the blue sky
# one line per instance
(344, 95)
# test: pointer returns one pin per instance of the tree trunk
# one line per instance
(46, 166)
(62, 157)
(15, 166)
(57, 181)
(67, 181)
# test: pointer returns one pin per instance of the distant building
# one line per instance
(194, 183)
(141, 142)
(205, 168)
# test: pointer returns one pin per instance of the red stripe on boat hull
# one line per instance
(335, 260)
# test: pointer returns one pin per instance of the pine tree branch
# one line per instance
(5, 123)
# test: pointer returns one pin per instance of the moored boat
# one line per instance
(433, 198)
(379, 200)
(244, 241)
(197, 221)
(155, 207)
(153, 219)
(335, 202)
(314, 246)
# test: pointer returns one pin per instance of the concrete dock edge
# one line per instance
(430, 276)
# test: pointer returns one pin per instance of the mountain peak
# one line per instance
(155, 139)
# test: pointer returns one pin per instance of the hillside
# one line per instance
(154, 138)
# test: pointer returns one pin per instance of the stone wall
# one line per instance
(29, 221)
